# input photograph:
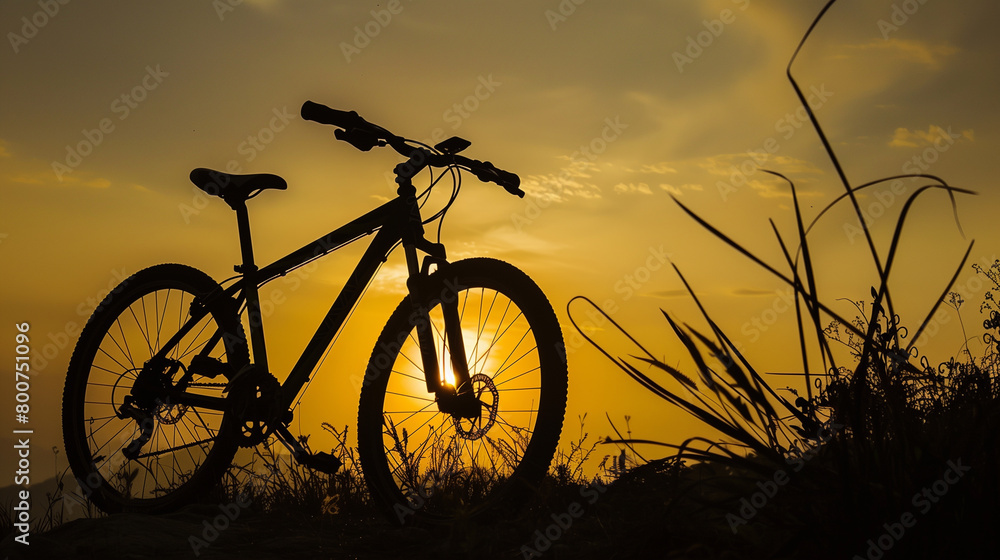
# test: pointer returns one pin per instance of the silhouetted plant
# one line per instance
(875, 430)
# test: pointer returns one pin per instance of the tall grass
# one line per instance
(871, 432)
(877, 428)
(275, 482)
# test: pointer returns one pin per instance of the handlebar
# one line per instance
(364, 136)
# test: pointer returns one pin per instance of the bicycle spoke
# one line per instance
(182, 436)
(488, 434)
(504, 367)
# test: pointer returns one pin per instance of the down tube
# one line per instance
(374, 256)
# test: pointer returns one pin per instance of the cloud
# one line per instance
(98, 183)
(661, 168)
(555, 188)
(774, 187)
(921, 52)
(567, 183)
(671, 189)
(36, 173)
(46, 179)
(630, 188)
(666, 293)
(264, 4)
(726, 165)
(391, 279)
(906, 138)
(679, 191)
(504, 239)
(752, 292)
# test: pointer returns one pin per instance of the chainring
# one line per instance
(254, 402)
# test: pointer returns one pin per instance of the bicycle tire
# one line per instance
(112, 347)
(450, 489)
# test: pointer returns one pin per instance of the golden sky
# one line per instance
(605, 109)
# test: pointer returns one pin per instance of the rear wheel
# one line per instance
(188, 447)
(425, 465)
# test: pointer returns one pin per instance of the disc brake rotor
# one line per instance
(486, 392)
(170, 413)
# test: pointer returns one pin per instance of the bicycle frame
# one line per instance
(397, 221)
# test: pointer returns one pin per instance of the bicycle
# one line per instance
(462, 401)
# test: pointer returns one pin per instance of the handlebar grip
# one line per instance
(324, 115)
(509, 181)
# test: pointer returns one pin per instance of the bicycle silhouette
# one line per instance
(462, 401)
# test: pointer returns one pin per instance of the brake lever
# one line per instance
(359, 138)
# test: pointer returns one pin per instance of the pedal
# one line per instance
(322, 462)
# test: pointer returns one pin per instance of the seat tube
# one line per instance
(249, 271)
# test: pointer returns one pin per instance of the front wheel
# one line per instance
(422, 464)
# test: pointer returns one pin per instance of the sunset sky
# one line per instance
(605, 109)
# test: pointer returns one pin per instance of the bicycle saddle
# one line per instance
(235, 189)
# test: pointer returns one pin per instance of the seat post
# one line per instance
(249, 271)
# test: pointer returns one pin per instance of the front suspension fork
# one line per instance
(458, 398)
